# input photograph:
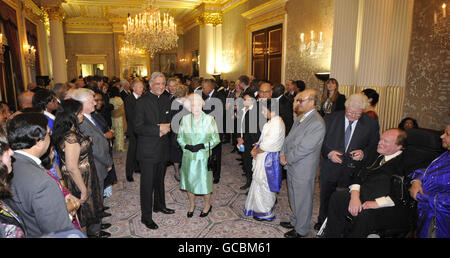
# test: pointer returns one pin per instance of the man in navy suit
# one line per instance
(350, 139)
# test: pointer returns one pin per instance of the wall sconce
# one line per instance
(2, 50)
(183, 60)
(30, 55)
(228, 59)
(312, 48)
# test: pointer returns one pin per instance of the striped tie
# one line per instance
(348, 132)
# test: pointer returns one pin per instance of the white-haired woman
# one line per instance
(197, 136)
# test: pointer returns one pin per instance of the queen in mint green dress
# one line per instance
(195, 177)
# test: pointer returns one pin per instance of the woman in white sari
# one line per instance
(266, 180)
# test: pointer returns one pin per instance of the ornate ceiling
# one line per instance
(107, 16)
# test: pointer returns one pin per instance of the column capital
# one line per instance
(209, 14)
(54, 11)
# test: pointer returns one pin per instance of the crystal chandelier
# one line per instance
(441, 30)
(312, 48)
(129, 54)
(151, 31)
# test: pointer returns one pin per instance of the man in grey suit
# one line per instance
(35, 196)
(100, 145)
(300, 155)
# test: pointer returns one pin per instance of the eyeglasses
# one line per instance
(302, 100)
(99, 100)
(353, 113)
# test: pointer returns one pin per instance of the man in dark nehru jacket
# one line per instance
(152, 125)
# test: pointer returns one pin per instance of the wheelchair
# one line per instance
(422, 147)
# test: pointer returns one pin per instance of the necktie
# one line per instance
(348, 132)
(97, 123)
(303, 118)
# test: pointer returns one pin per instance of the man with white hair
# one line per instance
(152, 125)
(350, 138)
(125, 89)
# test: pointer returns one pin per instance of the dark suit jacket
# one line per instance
(130, 112)
(286, 113)
(211, 106)
(365, 137)
(102, 124)
(124, 94)
(290, 97)
(249, 90)
(151, 111)
(375, 180)
(37, 198)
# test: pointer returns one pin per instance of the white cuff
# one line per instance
(385, 201)
(355, 187)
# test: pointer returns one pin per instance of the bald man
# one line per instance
(265, 91)
(26, 100)
(300, 155)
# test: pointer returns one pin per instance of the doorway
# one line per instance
(267, 53)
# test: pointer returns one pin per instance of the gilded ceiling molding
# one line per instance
(231, 4)
(265, 9)
(31, 8)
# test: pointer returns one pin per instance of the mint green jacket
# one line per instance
(195, 177)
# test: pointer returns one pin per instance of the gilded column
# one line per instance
(218, 68)
(210, 21)
(207, 54)
(57, 48)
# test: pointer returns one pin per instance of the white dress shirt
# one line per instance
(242, 119)
(35, 159)
(88, 116)
(136, 96)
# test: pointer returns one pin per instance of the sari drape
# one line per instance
(266, 180)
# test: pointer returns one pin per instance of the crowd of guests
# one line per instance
(62, 142)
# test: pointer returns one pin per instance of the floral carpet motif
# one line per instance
(226, 220)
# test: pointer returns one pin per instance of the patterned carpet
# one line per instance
(226, 219)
